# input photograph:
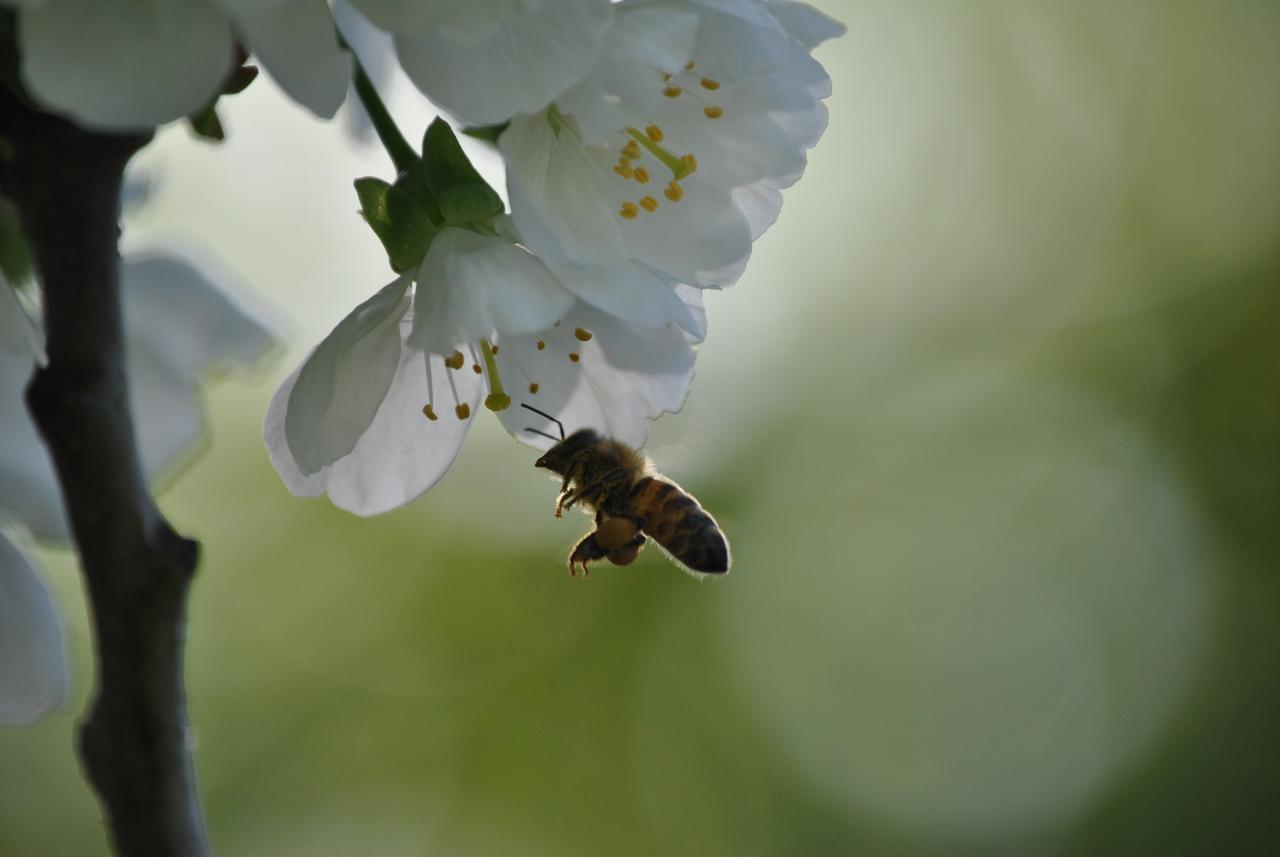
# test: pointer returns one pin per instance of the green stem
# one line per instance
(402, 154)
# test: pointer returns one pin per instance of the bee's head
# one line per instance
(558, 458)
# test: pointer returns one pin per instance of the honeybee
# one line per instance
(630, 502)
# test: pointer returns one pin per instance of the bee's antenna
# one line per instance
(549, 437)
(548, 416)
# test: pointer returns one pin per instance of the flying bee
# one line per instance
(630, 502)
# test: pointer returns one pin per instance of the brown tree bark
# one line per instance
(134, 744)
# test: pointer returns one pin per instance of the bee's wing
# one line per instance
(683, 529)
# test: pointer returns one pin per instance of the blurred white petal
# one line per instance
(297, 45)
(487, 62)
(124, 64)
(33, 660)
(29, 492)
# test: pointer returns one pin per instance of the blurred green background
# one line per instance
(993, 425)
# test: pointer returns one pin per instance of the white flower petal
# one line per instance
(182, 318)
(471, 285)
(28, 489)
(694, 239)
(33, 661)
(625, 376)
(619, 90)
(341, 385)
(502, 66)
(804, 23)
(401, 17)
(566, 189)
(627, 290)
(297, 44)
(737, 39)
(125, 64)
(401, 453)
(168, 414)
(19, 332)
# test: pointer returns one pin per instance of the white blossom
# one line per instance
(377, 412)
(136, 63)
(670, 154)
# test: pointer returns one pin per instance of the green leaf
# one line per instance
(398, 220)
(457, 188)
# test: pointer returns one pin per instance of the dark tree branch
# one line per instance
(134, 746)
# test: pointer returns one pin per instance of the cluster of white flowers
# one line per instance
(180, 326)
(646, 144)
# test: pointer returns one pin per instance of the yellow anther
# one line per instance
(691, 161)
(674, 192)
(454, 360)
(541, 345)
(688, 66)
(463, 411)
(497, 402)
(708, 83)
(713, 112)
(624, 171)
(666, 75)
(648, 203)
(654, 133)
(475, 367)
(495, 348)
(672, 92)
(575, 356)
(628, 211)
(631, 150)
(582, 334)
(533, 388)
(640, 174)
(429, 412)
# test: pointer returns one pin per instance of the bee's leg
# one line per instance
(565, 494)
(591, 493)
(587, 550)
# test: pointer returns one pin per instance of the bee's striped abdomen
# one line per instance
(674, 520)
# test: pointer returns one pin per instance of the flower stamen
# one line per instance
(497, 400)
(679, 166)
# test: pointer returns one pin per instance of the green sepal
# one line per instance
(462, 195)
(15, 256)
(240, 79)
(398, 220)
(486, 133)
(206, 124)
